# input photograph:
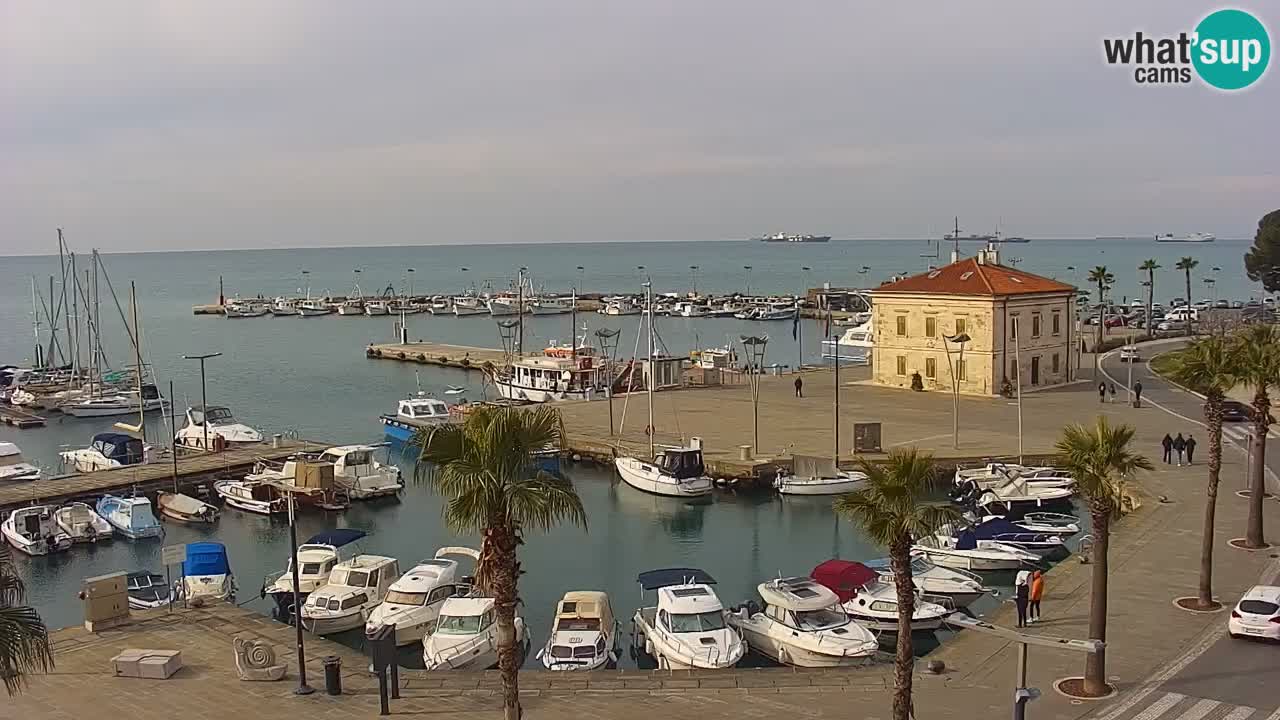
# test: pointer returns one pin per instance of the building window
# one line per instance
(902, 365)
(902, 325)
(1013, 369)
(1057, 323)
(930, 368)
(960, 370)
(1054, 362)
(1013, 328)
(930, 328)
(961, 325)
(1035, 325)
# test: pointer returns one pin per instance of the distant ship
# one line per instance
(1112, 237)
(1199, 237)
(1014, 239)
(952, 237)
(786, 237)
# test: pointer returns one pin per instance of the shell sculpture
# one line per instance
(256, 660)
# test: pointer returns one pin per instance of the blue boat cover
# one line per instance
(966, 540)
(654, 579)
(998, 526)
(336, 537)
(206, 558)
(124, 449)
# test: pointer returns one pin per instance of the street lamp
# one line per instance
(959, 339)
(608, 341)
(303, 688)
(799, 333)
(693, 273)
(747, 268)
(204, 398)
(753, 348)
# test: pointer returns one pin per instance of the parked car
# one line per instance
(1115, 321)
(1237, 304)
(1257, 614)
(1236, 411)
(1220, 304)
(1129, 353)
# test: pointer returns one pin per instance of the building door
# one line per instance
(1035, 370)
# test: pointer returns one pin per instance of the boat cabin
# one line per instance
(681, 463)
(206, 558)
(121, 448)
(801, 603)
(556, 374)
(214, 415)
(423, 409)
(34, 523)
(427, 583)
(373, 572)
(465, 616)
(583, 611)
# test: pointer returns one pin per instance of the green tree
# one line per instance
(485, 469)
(1262, 262)
(24, 640)
(1259, 354)
(1150, 266)
(1100, 460)
(893, 509)
(1211, 366)
(1186, 265)
(1103, 279)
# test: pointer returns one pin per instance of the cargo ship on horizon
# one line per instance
(790, 238)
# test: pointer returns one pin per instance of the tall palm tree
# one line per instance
(24, 640)
(1259, 354)
(1103, 279)
(1150, 266)
(1100, 460)
(1186, 265)
(485, 469)
(892, 509)
(1212, 366)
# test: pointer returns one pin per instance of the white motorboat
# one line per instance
(871, 601)
(803, 624)
(34, 531)
(550, 379)
(82, 523)
(994, 475)
(254, 496)
(375, 308)
(316, 560)
(357, 471)
(284, 307)
(351, 307)
(414, 413)
(949, 587)
(621, 306)
(690, 309)
(1002, 532)
(777, 311)
(466, 636)
(131, 517)
(147, 590)
(405, 306)
(965, 554)
(505, 305)
(853, 346)
(224, 430)
(108, 450)
(185, 508)
(245, 310)
(412, 604)
(687, 629)
(469, 305)
(355, 588)
(1046, 522)
(1016, 494)
(312, 307)
(552, 305)
(817, 476)
(747, 313)
(584, 634)
(206, 574)
(13, 467)
(675, 472)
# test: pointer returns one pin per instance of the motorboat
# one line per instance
(871, 601)
(316, 559)
(466, 635)
(777, 311)
(413, 602)
(355, 588)
(964, 553)
(675, 472)
(690, 309)
(550, 379)
(469, 305)
(414, 413)
(817, 476)
(115, 404)
(284, 307)
(721, 358)
(147, 590)
(802, 623)
(257, 497)
(34, 531)
(206, 574)
(309, 477)
(245, 310)
(621, 306)
(223, 429)
(405, 306)
(130, 517)
(358, 472)
(82, 523)
(185, 508)
(994, 475)
(584, 633)
(313, 307)
(1015, 495)
(351, 306)
(1002, 532)
(505, 305)
(747, 313)
(853, 346)
(1050, 523)
(107, 451)
(13, 467)
(552, 305)
(440, 306)
(375, 308)
(949, 587)
(687, 629)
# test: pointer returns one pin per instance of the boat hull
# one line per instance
(332, 625)
(788, 486)
(512, 391)
(42, 546)
(635, 474)
(967, 562)
(781, 652)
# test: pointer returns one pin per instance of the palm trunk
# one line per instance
(904, 661)
(1102, 322)
(1151, 296)
(1261, 409)
(1095, 666)
(503, 574)
(1188, 302)
(1213, 417)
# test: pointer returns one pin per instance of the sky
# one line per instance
(241, 124)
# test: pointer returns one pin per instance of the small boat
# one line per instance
(1015, 495)
(469, 305)
(871, 601)
(959, 588)
(316, 559)
(693, 632)
(115, 404)
(33, 531)
(690, 309)
(621, 306)
(309, 477)
(675, 472)
(13, 467)
(206, 573)
(245, 310)
(466, 636)
(108, 450)
(185, 508)
(1002, 532)
(803, 624)
(413, 414)
(81, 523)
(965, 554)
(146, 590)
(313, 307)
(505, 305)
(994, 475)
(550, 379)
(440, 306)
(584, 634)
(1047, 522)
(223, 429)
(552, 305)
(357, 471)
(854, 346)
(777, 311)
(131, 517)
(412, 604)
(261, 498)
(355, 588)
(351, 307)
(374, 308)
(405, 306)
(284, 307)
(817, 476)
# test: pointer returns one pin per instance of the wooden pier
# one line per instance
(463, 357)
(19, 418)
(192, 470)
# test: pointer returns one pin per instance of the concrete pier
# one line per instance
(463, 357)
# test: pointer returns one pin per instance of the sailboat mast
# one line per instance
(520, 313)
(573, 327)
(835, 410)
(35, 325)
(137, 356)
(649, 382)
(76, 366)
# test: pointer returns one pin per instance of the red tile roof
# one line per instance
(969, 277)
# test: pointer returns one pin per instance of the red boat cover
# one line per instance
(843, 577)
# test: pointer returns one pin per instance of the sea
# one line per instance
(310, 377)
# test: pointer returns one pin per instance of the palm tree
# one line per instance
(1186, 264)
(1211, 366)
(24, 640)
(1103, 279)
(1151, 266)
(1100, 460)
(1259, 355)
(485, 470)
(893, 510)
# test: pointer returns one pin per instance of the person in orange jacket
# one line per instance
(1037, 592)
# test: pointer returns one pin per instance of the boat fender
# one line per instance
(648, 430)
(783, 656)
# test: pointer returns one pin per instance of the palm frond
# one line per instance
(1099, 458)
(894, 503)
(24, 646)
(1211, 365)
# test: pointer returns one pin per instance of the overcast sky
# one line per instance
(244, 123)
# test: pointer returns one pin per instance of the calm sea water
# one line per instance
(311, 376)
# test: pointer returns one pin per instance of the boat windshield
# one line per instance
(458, 624)
(578, 624)
(823, 619)
(697, 622)
(218, 416)
(350, 578)
(396, 597)
(309, 568)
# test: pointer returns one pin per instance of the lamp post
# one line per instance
(303, 688)
(204, 398)
(959, 339)
(1017, 378)
(747, 274)
(754, 348)
(693, 276)
(799, 319)
(410, 271)
(608, 341)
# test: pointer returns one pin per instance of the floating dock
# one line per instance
(19, 418)
(463, 357)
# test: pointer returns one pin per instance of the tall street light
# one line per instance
(747, 269)
(303, 688)
(959, 339)
(608, 341)
(204, 398)
(753, 348)
(693, 274)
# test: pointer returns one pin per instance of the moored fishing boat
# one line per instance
(130, 517)
(81, 523)
(34, 531)
(260, 498)
(803, 624)
(185, 508)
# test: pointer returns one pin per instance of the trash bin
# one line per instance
(333, 675)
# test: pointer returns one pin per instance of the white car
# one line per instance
(1129, 353)
(1257, 614)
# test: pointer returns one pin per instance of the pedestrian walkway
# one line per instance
(1243, 433)
(1176, 706)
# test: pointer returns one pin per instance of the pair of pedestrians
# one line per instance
(1028, 589)
(1179, 445)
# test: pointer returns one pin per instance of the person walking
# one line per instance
(1037, 592)
(1167, 444)
(1191, 449)
(1112, 389)
(799, 387)
(1102, 392)
(1022, 595)
(1179, 445)
(1137, 394)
